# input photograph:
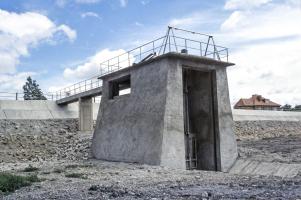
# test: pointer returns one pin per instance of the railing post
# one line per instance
(118, 63)
(169, 43)
(91, 84)
(153, 47)
(201, 48)
(129, 59)
(227, 55)
(140, 53)
(108, 65)
(186, 45)
(16, 95)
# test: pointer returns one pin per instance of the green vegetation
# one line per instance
(58, 170)
(73, 166)
(30, 168)
(32, 91)
(10, 182)
(76, 175)
(288, 107)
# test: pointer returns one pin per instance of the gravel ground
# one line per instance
(108, 180)
(279, 149)
(57, 149)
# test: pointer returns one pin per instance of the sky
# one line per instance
(60, 42)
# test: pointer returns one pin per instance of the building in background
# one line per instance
(257, 102)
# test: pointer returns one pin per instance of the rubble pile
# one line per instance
(266, 129)
(42, 140)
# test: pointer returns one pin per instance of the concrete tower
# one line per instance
(172, 110)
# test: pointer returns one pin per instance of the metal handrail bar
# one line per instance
(198, 41)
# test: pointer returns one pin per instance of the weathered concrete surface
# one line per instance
(228, 146)
(85, 114)
(146, 126)
(258, 115)
(173, 146)
(10, 109)
(265, 168)
(129, 127)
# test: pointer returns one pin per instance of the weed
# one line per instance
(10, 182)
(30, 168)
(76, 175)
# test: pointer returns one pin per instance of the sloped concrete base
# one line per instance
(248, 167)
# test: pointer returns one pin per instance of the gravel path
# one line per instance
(57, 149)
(112, 180)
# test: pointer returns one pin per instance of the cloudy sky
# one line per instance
(59, 42)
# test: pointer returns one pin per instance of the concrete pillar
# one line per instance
(85, 114)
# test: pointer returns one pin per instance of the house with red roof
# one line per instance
(257, 102)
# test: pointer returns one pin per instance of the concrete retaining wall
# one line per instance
(260, 115)
(10, 109)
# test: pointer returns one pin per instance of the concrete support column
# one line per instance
(85, 114)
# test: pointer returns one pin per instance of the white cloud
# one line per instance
(236, 18)
(123, 3)
(267, 56)
(266, 39)
(138, 24)
(92, 66)
(13, 83)
(70, 33)
(19, 32)
(244, 4)
(90, 14)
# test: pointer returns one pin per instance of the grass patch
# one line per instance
(10, 182)
(76, 175)
(73, 166)
(30, 168)
(58, 170)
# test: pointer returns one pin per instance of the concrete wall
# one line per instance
(129, 127)
(10, 109)
(146, 126)
(258, 115)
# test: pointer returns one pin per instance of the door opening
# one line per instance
(199, 122)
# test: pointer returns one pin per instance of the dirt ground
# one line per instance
(113, 180)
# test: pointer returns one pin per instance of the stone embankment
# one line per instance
(266, 129)
(268, 166)
(59, 139)
(42, 140)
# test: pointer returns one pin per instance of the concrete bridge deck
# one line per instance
(86, 94)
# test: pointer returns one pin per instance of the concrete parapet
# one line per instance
(258, 115)
(11, 109)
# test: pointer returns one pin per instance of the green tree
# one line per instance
(32, 91)
(286, 107)
(297, 108)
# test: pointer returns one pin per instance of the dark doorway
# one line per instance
(199, 121)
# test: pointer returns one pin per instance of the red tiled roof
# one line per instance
(256, 100)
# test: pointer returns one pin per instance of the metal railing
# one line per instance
(79, 87)
(168, 43)
(20, 96)
(202, 45)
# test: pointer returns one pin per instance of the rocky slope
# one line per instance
(57, 149)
